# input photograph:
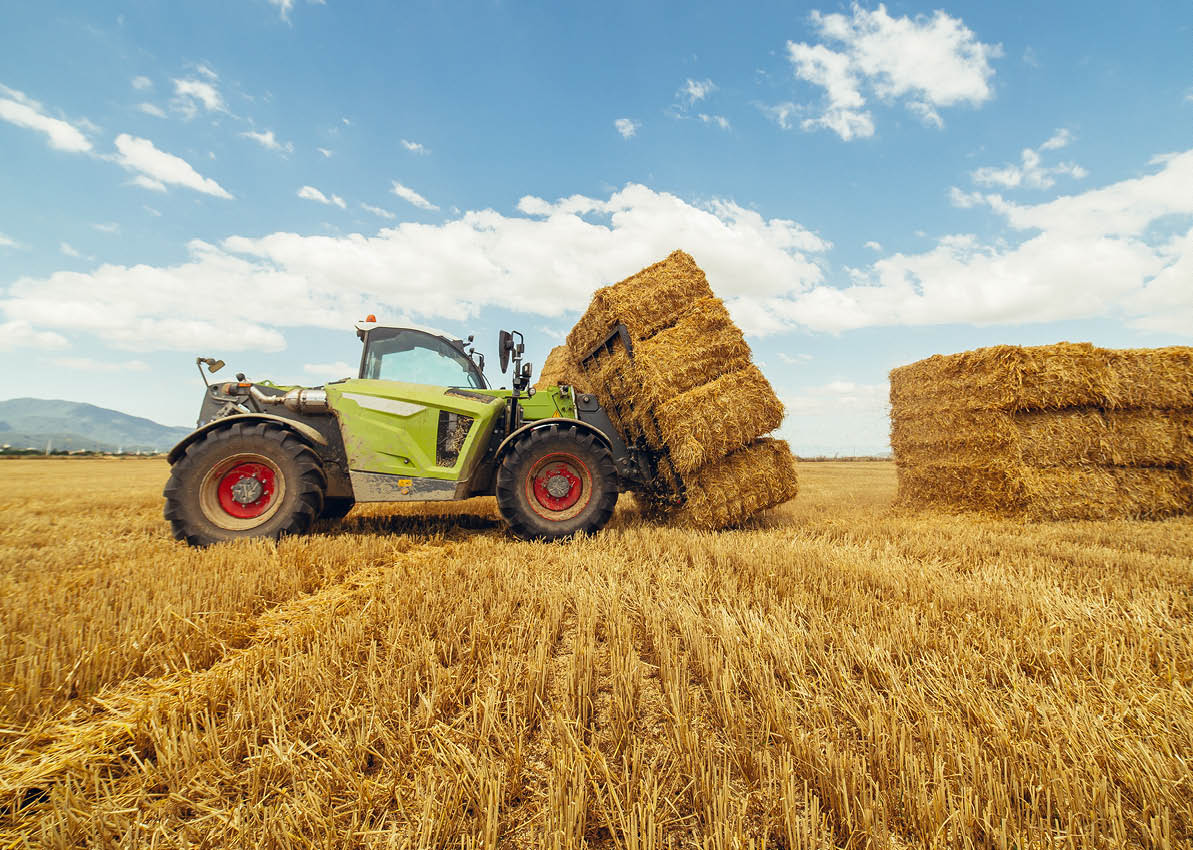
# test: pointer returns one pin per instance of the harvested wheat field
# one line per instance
(836, 674)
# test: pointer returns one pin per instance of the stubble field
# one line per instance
(838, 674)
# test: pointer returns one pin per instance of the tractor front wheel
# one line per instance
(556, 482)
(245, 480)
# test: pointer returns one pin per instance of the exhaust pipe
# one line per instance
(298, 400)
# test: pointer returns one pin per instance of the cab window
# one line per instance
(418, 358)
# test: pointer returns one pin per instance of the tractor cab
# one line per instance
(419, 357)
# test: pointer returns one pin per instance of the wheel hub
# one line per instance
(559, 486)
(246, 490)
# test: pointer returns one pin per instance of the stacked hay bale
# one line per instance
(560, 369)
(1065, 431)
(679, 384)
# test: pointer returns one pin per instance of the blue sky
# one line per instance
(865, 185)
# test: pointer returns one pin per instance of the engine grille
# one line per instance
(453, 430)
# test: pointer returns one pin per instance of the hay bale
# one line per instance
(1150, 437)
(759, 476)
(1152, 377)
(1101, 492)
(1005, 377)
(645, 302)
(560, 369)
(717, 418)
(684, 392)
(987, 487)
(702, 345)
(1050, 432)
(1047, 493)
(1086, 435)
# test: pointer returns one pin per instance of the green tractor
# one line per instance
(419, 423)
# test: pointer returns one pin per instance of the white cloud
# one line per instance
(873, 246)
(780, 113)
(326, 153)
(21, 334)
(794, 359)
(415, 147)
(1031, 173)
(107, 227)
(836, 396)
(151, 211)
(694, 90)
(1124, 250)
(545, 260)
(158, 168)
(551, 333)
(1061, 138)
(408, 194)
(284, 7)
(927, 113)
(310, 193)
(88, 364)
(22, 111)
(339, 369)
(142, 83)
(268, 140)
(69, 250)
(205, 71)
(148, 183)
(925, 62)
(833, 72)
(818, 416)
(151, 109)
(627, 127)
(7, 241)
(720, 120)
(189, 94)
(377, 211)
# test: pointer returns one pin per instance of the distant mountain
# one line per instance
(31, 422)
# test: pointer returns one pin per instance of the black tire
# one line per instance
(336, 508)
(560, 457)
(204, 506)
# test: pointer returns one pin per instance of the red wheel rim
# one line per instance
(558, 486)
(246, 490)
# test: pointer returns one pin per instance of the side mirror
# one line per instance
(214, 366)
(505, 345)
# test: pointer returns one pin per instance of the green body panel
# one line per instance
(392, 427)
(544, 404)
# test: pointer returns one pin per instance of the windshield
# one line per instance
(417, 358)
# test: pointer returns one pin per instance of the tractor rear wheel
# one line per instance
(556, 482)
(245, 480)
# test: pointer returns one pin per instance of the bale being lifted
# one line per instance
(1065, 431)
(666, 361)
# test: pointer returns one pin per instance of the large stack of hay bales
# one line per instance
(679, 384)
(1065, 431)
